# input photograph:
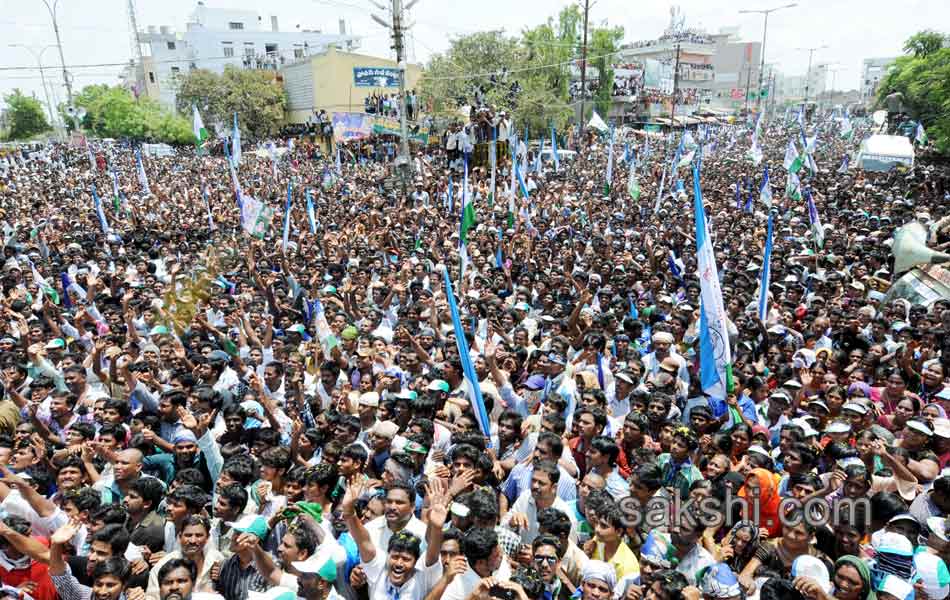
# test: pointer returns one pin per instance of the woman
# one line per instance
(895, 389)
(907, 408)
(779, 555)
(852, 581)
(834, 398)
(763, 485)
(933, 411)
(741, 435)
(739, 545)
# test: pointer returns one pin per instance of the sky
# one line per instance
(97, 31)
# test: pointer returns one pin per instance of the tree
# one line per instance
(115, 113)
(603, 49)
(924, 43)
(923, 78)
(25, 116)
(255, 95)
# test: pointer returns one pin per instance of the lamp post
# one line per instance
(51, 7)
(38, 56)
(765, 28)
(811, 54)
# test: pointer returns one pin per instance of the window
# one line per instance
(176, 70)
(249, 52)
(235, 25)
(151, 77)
(298, 52)
(228, 51)
(171, 45)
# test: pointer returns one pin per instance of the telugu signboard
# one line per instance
(377, 77)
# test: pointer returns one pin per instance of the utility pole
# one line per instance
(136, 48)
(748, 82)
(811, 53)
(765, 29)
(583, 70)
(59, 44)
(676, 85)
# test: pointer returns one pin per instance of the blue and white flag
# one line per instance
(610, 164)
(143, 176)
(557, 159)
(272, 150)
(844, 165)
(474, 392)
(764, 280)
(99, 212)
(521, 182)
(287, 209)
(92, 157)
(715, 357)
(765, 190)
(236, 143)
(338, 165)
(659, 193)
(493, 160)
(816, 228)
(310, 213)
(204, 195)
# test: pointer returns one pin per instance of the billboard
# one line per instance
(354, 126)
(377, 77)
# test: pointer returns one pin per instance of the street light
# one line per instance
(38, 56)
(59, 44)
(811, 53)
(765, 29)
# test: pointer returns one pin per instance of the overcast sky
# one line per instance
(97, 31)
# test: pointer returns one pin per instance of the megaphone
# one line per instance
(910, 249)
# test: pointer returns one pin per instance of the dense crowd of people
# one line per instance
(196, 406)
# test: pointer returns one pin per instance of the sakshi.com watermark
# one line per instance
(715, 512)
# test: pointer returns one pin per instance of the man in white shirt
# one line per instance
(398, 508)
(523, 516)
(485, 559)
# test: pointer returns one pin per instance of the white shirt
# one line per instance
(463, 585)
(416, 588)
(526, 504)
(380, 533)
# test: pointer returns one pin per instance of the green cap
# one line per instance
(250, 524)
(350, 333)
(159, 330)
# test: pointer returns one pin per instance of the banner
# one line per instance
(257, 217)
(355, 126)
(376, 77)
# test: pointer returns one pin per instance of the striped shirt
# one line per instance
(236, 581)
(519, 481)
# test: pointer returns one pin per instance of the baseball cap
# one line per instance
(838, 427)
(250, 524)
(897, 587)
(324, 561)
(891, 542)
(385, 429)
(942, 427)
(369, 399)
(55, 344)
(855, 407)
(919, 427)
(158, 330)
(274, 593)
(932, 573)
(813, 568)
(438, 385)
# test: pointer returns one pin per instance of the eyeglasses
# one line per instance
(545, 559)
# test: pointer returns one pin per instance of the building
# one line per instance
(873, 71)
(798, 88)
(217, 37)
(328, 81)
(736, 68)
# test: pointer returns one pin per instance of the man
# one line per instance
(141, 502)
(399, 504)
(485, 559)
(685, 536)
(602, 460)
(935, 503)
(317, 574)
(591, 421)
(523, 516)
(193, 540)
(177, 578)
(367, 407)
(238, 575)
(546, 557)
(597, 581)
(229, 504)
(19, 570)
(380, 439)
(548, 447)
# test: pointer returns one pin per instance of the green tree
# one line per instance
(603, 48)
(924, 43)
(115, 113)
(24, 115)
(923, 78)
(255, 95)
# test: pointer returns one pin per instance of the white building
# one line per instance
(797, 88)
(873, 71)
(216, 37)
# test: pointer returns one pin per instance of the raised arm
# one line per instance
(354, 525)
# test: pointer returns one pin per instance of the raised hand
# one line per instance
(66, 533)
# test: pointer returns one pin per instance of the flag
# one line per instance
(659, 193)
(143, 176)
(272, 151)
(451, 197)
(633, 186)
(493, 159)
(470, 378)
(755, 153)
(715, 360)
(537, 157)
(99, 212)
(765, 190)
(610, 164)
(43, 285)
(847, 131)
(766, 274)
(236, 143)
(310, 214)
(466, 224)
(816, 227)
(557, 159)
(844, 165)
(198, 127)
(793, 187)
(920, 136)
(328, 341)
(793, 161)
(511, 190)
(597, 123)
(687, 159)
(522, 185)
(204, 195)
(92, 157)
(256, 217)
(287, 207)
(338, 165)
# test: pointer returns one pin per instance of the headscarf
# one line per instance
(769, 500)
(753, 540)
(943, 413)
(718, 581)
(599, 570)
(867, 591)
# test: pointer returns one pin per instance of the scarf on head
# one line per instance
(867, 591)
(13, 564)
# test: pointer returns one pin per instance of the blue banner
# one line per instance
(375, 77)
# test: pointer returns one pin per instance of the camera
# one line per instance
(496, 591)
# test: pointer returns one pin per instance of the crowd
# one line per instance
(191, 412)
